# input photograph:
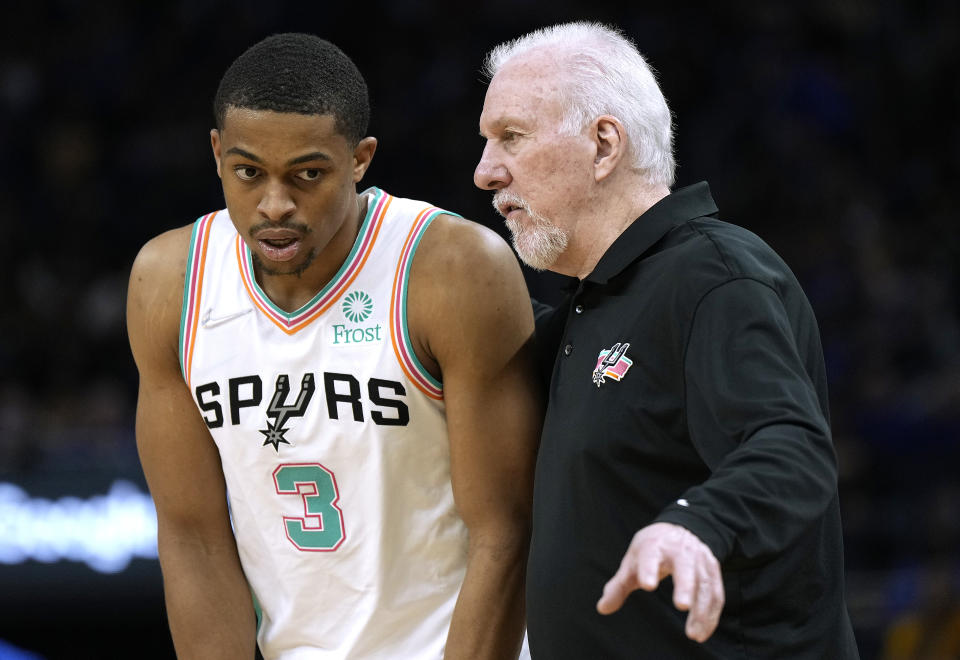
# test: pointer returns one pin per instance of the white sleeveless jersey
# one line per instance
(333, 442)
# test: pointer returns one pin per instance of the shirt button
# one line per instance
(578, 309)
(568, 349)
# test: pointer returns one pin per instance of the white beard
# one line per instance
(538, 242)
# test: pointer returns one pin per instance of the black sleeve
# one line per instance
(754, 416)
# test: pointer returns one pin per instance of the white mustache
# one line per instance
(502, 199)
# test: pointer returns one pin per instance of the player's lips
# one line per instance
(278, 244)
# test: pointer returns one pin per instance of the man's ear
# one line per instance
(611, 143)
(215, 143)
(362, 156)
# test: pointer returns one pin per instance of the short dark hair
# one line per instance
(301, 73)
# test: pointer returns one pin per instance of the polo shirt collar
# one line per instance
(679, 206)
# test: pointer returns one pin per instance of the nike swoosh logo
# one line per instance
(211, 322)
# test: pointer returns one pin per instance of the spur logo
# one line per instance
(612, 363)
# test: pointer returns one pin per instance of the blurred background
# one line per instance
(828, 127)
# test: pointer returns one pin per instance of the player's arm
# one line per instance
(474, 320)
(208, 602)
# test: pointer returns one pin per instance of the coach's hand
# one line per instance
(663, 549)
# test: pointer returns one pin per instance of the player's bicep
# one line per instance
(177, 454)
(179, 458)
(481, 336)
(494, 429)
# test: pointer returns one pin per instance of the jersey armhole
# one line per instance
(192, 291)
(399, 332)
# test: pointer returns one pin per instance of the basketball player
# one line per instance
(336, 414)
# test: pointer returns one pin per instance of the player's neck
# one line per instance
(291, 291)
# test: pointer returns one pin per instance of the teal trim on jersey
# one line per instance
(257, 609)
(187, 278)
(403, 302)
(364, 226)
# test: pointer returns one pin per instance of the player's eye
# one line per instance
(311, 174)
(246, 172)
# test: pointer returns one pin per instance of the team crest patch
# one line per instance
(613, 363)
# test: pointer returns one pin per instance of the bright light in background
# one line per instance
(105, 531)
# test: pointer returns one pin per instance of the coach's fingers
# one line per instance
(708, 602)
(684, 581)
(617, 588)
(651, 565)
(641, 568)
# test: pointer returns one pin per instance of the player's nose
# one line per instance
(276, 203)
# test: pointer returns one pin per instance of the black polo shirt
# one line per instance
(688, 387)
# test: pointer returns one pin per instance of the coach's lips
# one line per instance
(506, 209)
(278, 244)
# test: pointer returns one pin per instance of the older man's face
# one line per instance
(541, 177)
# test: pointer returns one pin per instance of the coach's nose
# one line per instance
(491, 173)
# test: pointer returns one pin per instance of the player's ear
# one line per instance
(362, 155)
(610, 140)
(215, 143)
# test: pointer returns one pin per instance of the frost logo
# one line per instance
(357, 306)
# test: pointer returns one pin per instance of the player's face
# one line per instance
(289, 181)
(541, 175)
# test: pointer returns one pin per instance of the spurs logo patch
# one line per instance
(612, 362)
(281, 411)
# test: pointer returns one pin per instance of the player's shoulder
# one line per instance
(467, 296)
(458, 244)
(162, 258)
(157, 277)
(154, 298)
(468, 271)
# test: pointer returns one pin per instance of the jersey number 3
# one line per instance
(321, 527)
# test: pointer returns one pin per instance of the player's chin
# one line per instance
(294, 266)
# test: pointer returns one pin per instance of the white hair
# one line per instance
(603, 73)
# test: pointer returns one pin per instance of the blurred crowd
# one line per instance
(827, 127)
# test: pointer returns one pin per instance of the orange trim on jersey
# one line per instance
(412, 376)
(195, 321)
(250, 292)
